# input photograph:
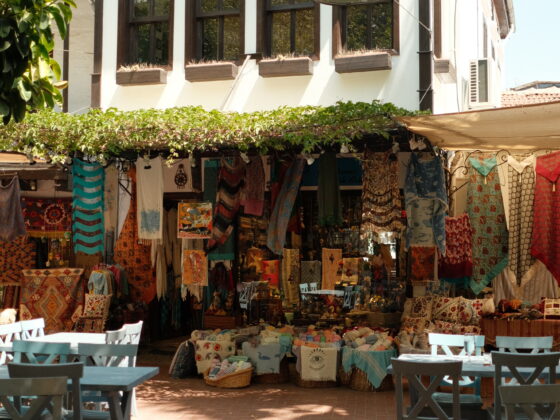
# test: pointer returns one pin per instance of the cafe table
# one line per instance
(115, 383)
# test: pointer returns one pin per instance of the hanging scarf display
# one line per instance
(332, 267)
(149, 174)
(381, 201)
(425, 197)
(87, 216)
(47, 217)
(196, 290)
(271, 272)
(11, 215)
(422, 265)
(456, 265)
(252, 196)
(291, 275)
(545, 244)
(133, 255)
(276, 234)
(328, 191)
(195, 268)
(110, 198)
(488, 221)
(311, 272)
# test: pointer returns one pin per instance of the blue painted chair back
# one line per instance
(524, 344)
(538, 402)
(108, 354)
(40, 352)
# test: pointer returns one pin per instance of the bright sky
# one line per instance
(533, 50)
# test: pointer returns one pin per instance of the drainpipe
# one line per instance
(97, 54)
(425, 56)
(66, 69)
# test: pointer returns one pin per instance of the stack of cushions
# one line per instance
(440, 314)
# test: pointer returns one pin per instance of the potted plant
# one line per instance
(286, 66)
(355, 61)
(210, 70)
(141, 74)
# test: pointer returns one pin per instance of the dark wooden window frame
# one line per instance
(338, 16)
(124, 32)
(193, 34)
(264, 23)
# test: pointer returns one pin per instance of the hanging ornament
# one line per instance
(181, 177)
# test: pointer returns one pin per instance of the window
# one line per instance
(145, 32)
(217, 30)
(290, 27)
(371, 26)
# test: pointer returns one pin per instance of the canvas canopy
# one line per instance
(527, 127)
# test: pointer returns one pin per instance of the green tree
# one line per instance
(29, 76)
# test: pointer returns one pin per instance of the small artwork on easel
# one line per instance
(194, 220)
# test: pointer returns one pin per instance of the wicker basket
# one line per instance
(239, 379)
(344, 377)
(359, 382)
(275, 378)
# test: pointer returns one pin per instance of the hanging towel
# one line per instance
(328, 191)
(276, 234)
(291, 275)
(149, 185)
(88, 206)
(253, 189)
(332, 267)
(488, 221)
(12, 224)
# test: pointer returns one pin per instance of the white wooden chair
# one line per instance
(537, 402)
(436, 371)
(8, 333)
(528, 344)
(133, 332)
(32, 328)
(537, 366)
(115, 336)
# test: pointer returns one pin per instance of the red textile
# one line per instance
(15, 256)
(457, 261)
(545, 244)
(134, 256)
(422, 264)
(47, 217)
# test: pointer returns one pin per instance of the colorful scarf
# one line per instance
(545, 244)
(456, 265)
(425, 197)
(11, 216)
(488, 221)
(422, 265)
(195, 268)
(149, 187)
(328, 191)
(291, 275)
(276, 235)
(88, 207)
(332, 267)
(253, 189)
(110, 198)
(48, 217)
(271, 272)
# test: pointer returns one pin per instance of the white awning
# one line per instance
(527, 127)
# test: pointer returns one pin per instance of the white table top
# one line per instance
(74, 338)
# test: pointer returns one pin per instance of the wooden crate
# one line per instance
(212, 322)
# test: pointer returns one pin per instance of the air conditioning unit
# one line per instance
(479, 83)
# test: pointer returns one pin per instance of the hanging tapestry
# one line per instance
(110, 198)
(149, 189)
(521, 189)
(11, 215)
(53, 295)
(15, 256)
(351, 269)
(181, 176)
(425, 198)
(488, 222)
(133, 255)
(226, 251)
(252, 196)
(291, 275)
(271, 272)
(332, 268)
(10, 296)
(319, 364)
(47, 217)
(381, 200)
(195, 268)
(422, 265)
(311, 272)
(456, 265)
(228, 200)
(87, 207)
(194, 220)
(328, 191)
(545, 245)
(276, 235)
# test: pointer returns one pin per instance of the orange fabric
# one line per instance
(521, 328)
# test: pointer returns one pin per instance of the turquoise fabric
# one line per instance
(373, 363)
(265, 357)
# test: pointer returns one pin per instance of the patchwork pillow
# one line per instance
(483, 306)
(467, 314)
(446, 309)
(416, 324)
(466, 329)
(443, 327)
(97, 305)
(421, 307)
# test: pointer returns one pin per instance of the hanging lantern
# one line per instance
(181, 177)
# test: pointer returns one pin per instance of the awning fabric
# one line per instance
(527, 127)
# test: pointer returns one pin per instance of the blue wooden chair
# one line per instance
(538, 402)
(536, 365)
(524, 344)
(108, 354)
(48, 392)
(40, 352)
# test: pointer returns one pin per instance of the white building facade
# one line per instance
(247, 55)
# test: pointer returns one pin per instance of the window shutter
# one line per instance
(473, 82)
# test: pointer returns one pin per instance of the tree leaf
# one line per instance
(60, 22)
(5, 27)
(4, 45)
(4, 108)
(24, 93)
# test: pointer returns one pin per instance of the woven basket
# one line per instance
(343, 376)
(239, 379)
(360, 382)
(275, 378)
